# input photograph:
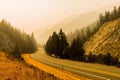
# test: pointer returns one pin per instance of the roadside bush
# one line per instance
(118, 65)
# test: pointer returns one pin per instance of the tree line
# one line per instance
(16, 41)
(87, 32)
(109, 16)
(105, 17)
(106, 59)
(58, 46)
(73, 49)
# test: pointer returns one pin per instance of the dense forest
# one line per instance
(87, 32)
(56, 44)
(15, 41)
(59, 46)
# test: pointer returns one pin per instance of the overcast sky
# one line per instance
(31, 14)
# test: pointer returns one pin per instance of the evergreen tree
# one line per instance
(107, 16)
(101, 19)
(91, 57)
(48, 47)
(62, 42)
(115, 13)
(100, 58)
(66, 52)
(107, 58)
(77, 51)
(18, 42)
(31, 44)
(56, 44)
(74, 50)
(119, 11)
(88, 33)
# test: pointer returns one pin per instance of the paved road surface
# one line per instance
(93, 71)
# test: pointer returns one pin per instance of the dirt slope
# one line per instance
(13, 69)
(107, 39)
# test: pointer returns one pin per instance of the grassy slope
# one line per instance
(13, 69)
(107, 39)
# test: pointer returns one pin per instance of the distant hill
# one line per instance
(106, 40)
(71, 23)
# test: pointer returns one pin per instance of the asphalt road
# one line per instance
(90, 70)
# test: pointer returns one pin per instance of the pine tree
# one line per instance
(107, 16)
(66, 52)
(56, 44)
(19, 42)
(115, 13)
(101, 19)
(48, 47)
(62, 42)
(33, 43)
(107, 58)
(77, 51)
(119, 11)
(88, 33)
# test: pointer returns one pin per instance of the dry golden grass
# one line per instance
(62, 74)
(14, 69)
(106, 40)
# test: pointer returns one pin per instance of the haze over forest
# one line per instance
(36, 14)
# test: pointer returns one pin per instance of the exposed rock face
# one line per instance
(106, 40)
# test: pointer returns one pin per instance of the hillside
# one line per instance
(106, 40)
(13, 43)
(14, 69)
(71, 23)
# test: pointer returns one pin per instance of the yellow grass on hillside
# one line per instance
(106, 40)
(62, 74)
(14, 69)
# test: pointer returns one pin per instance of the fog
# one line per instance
(29, 15)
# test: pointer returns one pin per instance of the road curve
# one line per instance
(93, 71)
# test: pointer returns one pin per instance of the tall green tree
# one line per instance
(115, 13)
(62, 42)
(77, 51)
(119, 11)
(107, 58)
(56, 44)
(48, 47)
(107, 16)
